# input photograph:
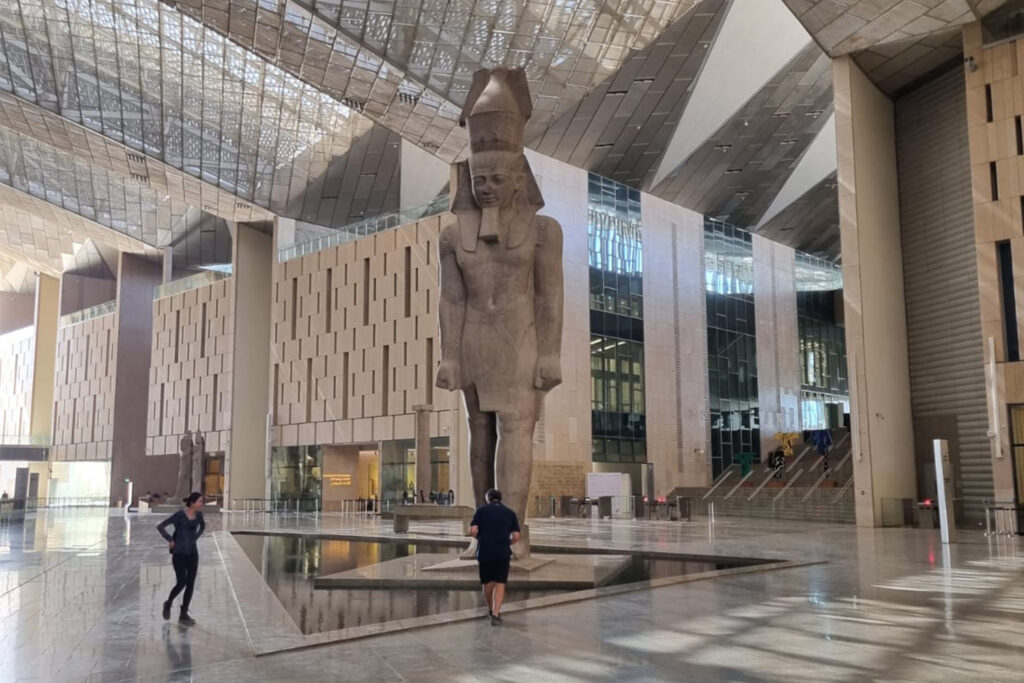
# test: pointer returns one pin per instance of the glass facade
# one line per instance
(296, 475)
(824, 395)
(732, 347)
(615, 250)
(398, 469)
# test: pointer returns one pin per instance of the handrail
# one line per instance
(748, 475)
(805, 451)
(201, 279)
(97, 311)
(725, 475)
(771, 475)
(365, 228)
(846, 487)
(817, 483)
(788, 484)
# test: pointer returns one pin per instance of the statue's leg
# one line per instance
(514, 464)
(483, 437)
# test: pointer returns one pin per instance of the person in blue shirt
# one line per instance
(495, 528)
(188, 526)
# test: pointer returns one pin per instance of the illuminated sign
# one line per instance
(339, 479)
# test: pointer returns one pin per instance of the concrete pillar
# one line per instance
(778, 341)
(168, 265)
(876, 326)
(423, 481)
(137, 277)
(247, 454)
(47, 304)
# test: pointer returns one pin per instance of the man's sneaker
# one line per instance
(167, 610)
(186, 620)
(495, 620)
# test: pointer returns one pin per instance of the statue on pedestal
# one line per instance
(184, 486)
(501, 292)
(198, 461)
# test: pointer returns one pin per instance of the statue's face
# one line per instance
(496, 178)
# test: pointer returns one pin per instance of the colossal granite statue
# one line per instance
(501, 291)
(184, 485)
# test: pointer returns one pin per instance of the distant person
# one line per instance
(496, 528)
(405, 497)
(188, 526)
(422, 499)
(451, 497)
(4, 496)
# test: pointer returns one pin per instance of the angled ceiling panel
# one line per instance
(737, 172)
(810, 223)
(408, 64)
(819, 161)
(640, 105)
(757, 39)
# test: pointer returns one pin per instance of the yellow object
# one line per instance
(786, 440)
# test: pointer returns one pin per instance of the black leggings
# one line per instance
(185, 569)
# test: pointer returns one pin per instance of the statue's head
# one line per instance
(497, 178)
(497, 108)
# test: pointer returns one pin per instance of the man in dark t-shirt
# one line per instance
(496, 528)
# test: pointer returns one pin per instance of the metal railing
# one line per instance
(276, 505)
(788, 484)
(97, 311)
(365, 228)
(202, 279)
(735, 488)
(721, 479)
(817, 482)
(42, 440)
(843, 490)
(771, 475)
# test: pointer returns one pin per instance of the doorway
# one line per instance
(1017, 449)
(213, 479)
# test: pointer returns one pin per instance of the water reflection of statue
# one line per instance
(501, 291)
(184, 486)
(198, 461)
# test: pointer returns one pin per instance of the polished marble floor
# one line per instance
(80, 592)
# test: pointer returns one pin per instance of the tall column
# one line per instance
(423, 481)
(876, 326)
(47, 306)
(137, 277)
(778, 341)
(168, 265)
(247, 453)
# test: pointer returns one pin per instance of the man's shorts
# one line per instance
(494, 572)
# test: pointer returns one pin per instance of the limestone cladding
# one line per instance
(354, 340)
(778, 341)
(995, 106)
(190, 371)
(557, 479)
(83, 411)
(17, 353)
(675, 345)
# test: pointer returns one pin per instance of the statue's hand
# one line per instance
(548, 374)
(448, 375)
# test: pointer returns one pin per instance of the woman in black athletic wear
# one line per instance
(188, 526)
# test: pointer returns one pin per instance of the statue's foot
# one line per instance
(521, 549)
(470, 552)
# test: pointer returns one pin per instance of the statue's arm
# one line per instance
(451, 312)
(548, 296)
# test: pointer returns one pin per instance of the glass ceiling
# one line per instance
(408, 64)
(91, 192)
(142, 74)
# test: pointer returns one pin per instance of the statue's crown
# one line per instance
(496, 110)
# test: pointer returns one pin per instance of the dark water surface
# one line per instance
(290, 564)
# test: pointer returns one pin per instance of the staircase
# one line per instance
(806, 491)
